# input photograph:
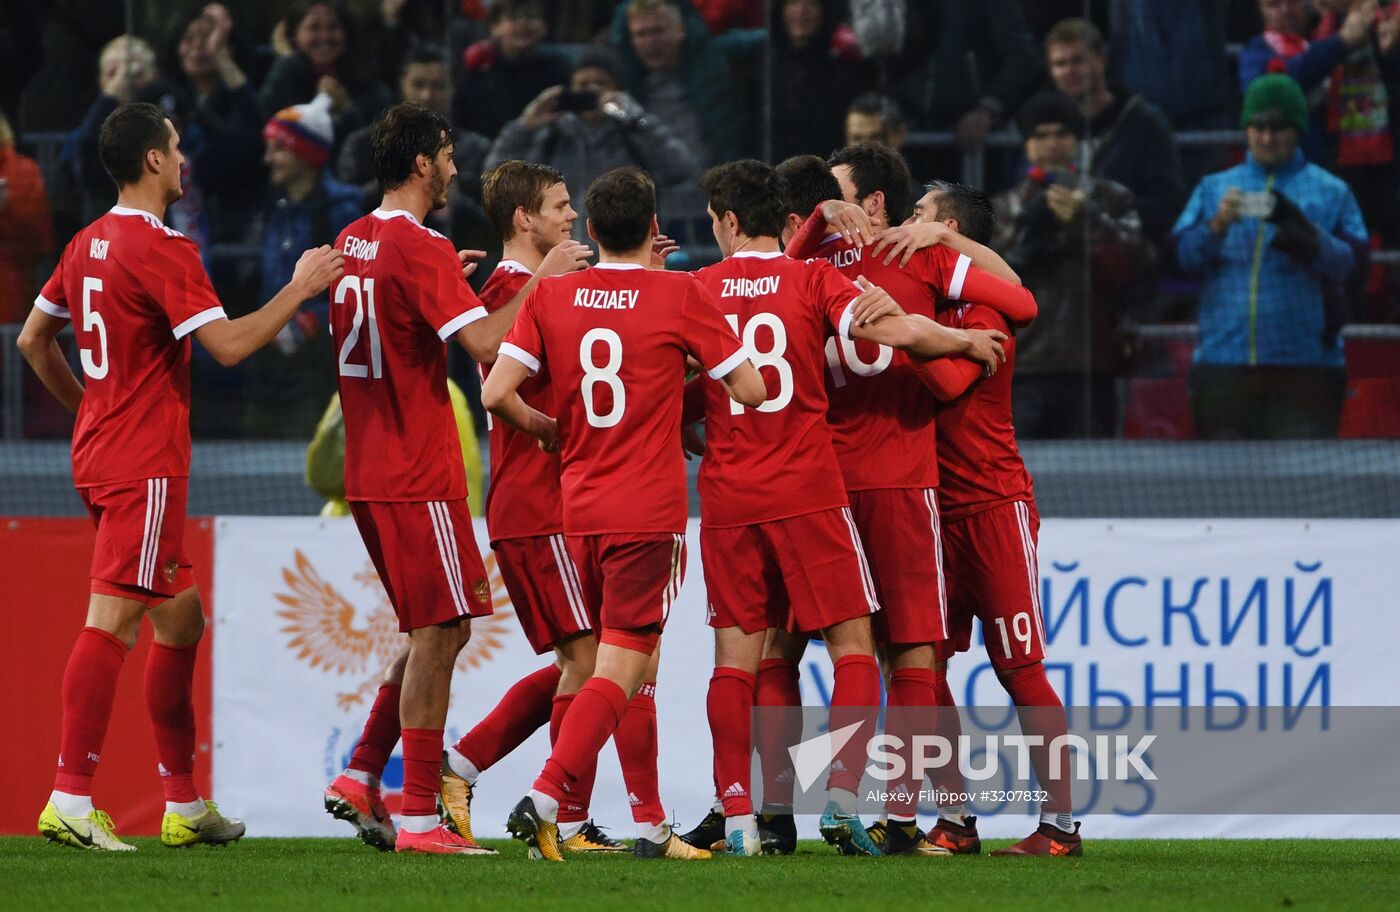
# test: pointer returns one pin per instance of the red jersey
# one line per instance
(402, 297)
(523, 500)
(881, 414)
(775, 461)
(614, 339)
(139, 289)
(977, 454)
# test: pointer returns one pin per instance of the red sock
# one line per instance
(381, 732)
(169, 700)
(1041, 713)
(777, 687)
(585, 728)
(636, 751)
(573, 807)
(524, 709)
(728, 705)
(855, 698)
(948, 777)
(89, 686)
(912, 698)
(422, 764)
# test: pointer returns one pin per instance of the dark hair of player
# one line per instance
(971, 207)
(875, 167)
(420, 54)
(873, 104)
(752, 191)
(621, 205)
(807, 183)
(127, 135)
(512, 185)
(401, 134)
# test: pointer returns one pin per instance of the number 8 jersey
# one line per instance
(134, 290)
(402, 297)
(615, 339)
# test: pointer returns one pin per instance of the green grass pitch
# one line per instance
(311, 874)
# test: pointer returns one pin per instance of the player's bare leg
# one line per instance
(729, 706)
(1041, 713)
(355, 795)
(855, 697)
(178, 624)
(89, 686)
(427, 685)
(910, 684)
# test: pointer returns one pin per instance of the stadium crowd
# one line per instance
(1110, 224)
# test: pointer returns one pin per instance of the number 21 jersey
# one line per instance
(402, 297)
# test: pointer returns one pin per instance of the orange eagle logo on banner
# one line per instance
(331, 633)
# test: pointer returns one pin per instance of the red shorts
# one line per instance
(426, 555)
(993, 575)
(140, 549)
(803, 574)
(544, 588)
(629, 580)
(900, 529)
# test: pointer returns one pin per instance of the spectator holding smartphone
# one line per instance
(1273, 239)
(1047, 228)
(590, 128)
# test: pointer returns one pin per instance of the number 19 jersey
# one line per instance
(402, 296)
(615, 339)
(776, 461)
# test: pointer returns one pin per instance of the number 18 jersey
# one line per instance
(614, 339)
(402, 297)
(776, 461)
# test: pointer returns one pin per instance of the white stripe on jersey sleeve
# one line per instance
(723, 369)
(521, 355)
(959, 276)
(448, 329)
(198, 320)
(845, 328)
(51, 308)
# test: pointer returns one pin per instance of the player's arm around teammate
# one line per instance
(142, 290)
(877, 317)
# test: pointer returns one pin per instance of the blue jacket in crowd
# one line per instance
(1258, 304)
(290, 228)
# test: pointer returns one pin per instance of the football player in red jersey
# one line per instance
(402, 297)
(990, 527)
(354, 795)
(786, 555)
(529, 206)
(616, 339)
(883, 419)
(140, 291)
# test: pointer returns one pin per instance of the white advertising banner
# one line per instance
(1142, 612)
